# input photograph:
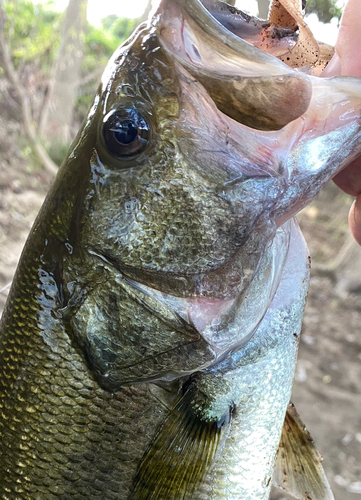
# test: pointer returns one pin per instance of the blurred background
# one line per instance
(52, 55)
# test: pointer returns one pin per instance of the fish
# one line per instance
(149, 341)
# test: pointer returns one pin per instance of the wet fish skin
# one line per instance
(105, 345)
(256, 381)
(58, 426)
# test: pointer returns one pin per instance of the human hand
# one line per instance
(347, 61)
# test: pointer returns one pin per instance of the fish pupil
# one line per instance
(127, 132)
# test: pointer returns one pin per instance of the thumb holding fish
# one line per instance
(347, 62)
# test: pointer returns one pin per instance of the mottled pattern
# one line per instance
(128, 336)
(261, 375)
(99, 354)
(61, 435)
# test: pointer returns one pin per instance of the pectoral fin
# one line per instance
(298, 468)
(182, 451)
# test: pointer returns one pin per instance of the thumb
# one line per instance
(347, 61)
(349, 39)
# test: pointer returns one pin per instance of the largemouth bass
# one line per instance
(149, 341)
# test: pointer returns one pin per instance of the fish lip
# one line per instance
(165, 282)
(220, 9)
(219, 353)
(169, 374)
(198, 12)
(238, 76)
(110, 261)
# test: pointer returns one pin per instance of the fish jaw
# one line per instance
(288, 167)
(228, 324)
(239, 77)
(332, 107)
(233, 182)
(259, 379)
(322, 142)
(266, 36)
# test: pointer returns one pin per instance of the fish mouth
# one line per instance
(249, 85)
(258, 32)
(223, 89)
(269, 110)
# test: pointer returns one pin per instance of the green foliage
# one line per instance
(58, 152)
(123, 27)
(100, 43)
(99, 46)
(32, 31)
(108, 22)
(325, 9)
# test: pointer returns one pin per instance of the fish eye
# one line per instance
(126, 132)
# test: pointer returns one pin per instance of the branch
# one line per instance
(29, 128)
(92, 77)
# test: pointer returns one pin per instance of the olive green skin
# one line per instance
(62, 436)
(65, 427)
(94, 359)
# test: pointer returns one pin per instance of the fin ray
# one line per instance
(181, 453)
(298, 468)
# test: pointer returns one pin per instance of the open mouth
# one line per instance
(267, 36)
(247, 84)
(270, 108)
(284, 35)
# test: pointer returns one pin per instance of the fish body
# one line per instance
(149, 341)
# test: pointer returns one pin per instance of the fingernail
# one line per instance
(333, 68)
(354, 220)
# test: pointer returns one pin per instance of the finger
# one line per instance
(347, 61)
(354, 219)
(333, 68)
(349, 39)
(349, 179)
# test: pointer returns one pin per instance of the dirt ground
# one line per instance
(327, 391)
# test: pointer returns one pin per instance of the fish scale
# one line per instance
(263, 371)
(66, 423)
(148, 345)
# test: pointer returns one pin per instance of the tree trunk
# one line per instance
(146, 12)
(263, 6)
(27, 120)
(56, 119)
